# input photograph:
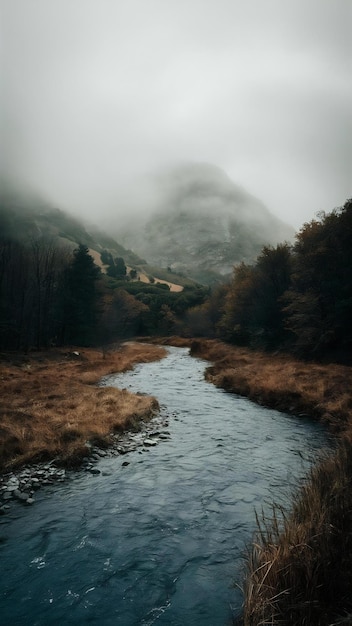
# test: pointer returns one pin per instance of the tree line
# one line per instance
(297, 298)
(47, 294)
(53, 296)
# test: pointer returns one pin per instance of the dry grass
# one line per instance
(173, 340)
(51, 408)
(298, 570)
(321, 391)
(299, 566)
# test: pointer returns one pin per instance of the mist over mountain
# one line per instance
(202, 224)
(190, 218)
(26, 216)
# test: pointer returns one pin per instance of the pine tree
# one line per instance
(80, 299)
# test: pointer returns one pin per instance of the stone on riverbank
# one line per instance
(20, 485)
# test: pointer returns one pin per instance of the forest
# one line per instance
(296, 299)
(293, 298)
(51, 296)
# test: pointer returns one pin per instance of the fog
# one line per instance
(99, 94)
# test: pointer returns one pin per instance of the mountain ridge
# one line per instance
(28, 218)
(199, 225)
(203, 224)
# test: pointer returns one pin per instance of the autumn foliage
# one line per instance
(293, 298)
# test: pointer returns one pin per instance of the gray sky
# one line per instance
(97, 92)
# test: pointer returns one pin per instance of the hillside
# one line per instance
(52, 293)
(28, 216)
(202, 224)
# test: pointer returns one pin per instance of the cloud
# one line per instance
(98, 92)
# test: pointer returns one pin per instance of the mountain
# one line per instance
(25, 216)
(202, 224)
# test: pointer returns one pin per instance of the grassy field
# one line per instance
(51, 406)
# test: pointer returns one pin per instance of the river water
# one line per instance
(159, 540)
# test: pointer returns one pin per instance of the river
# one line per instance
(158, 536)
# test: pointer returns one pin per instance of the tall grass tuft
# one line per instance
(299, 568)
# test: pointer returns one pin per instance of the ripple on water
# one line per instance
(159, 541)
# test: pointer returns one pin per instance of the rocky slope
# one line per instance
(202, 224)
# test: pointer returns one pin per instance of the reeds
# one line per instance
(299, 567)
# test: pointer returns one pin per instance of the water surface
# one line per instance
(160, 540)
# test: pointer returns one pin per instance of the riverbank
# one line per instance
(51, 406)
(298, 568)
(322, 391)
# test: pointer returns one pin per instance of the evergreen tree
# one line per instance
(117, 268)
(319, 302)
(120, 267)
(80, 299)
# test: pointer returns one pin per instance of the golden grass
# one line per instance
(299, 569)
(171, 340)
(282, 382)
(51, 406)
(299, 566)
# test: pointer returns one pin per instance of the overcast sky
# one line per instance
(98, 92)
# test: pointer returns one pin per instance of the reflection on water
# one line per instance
(159, 541)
